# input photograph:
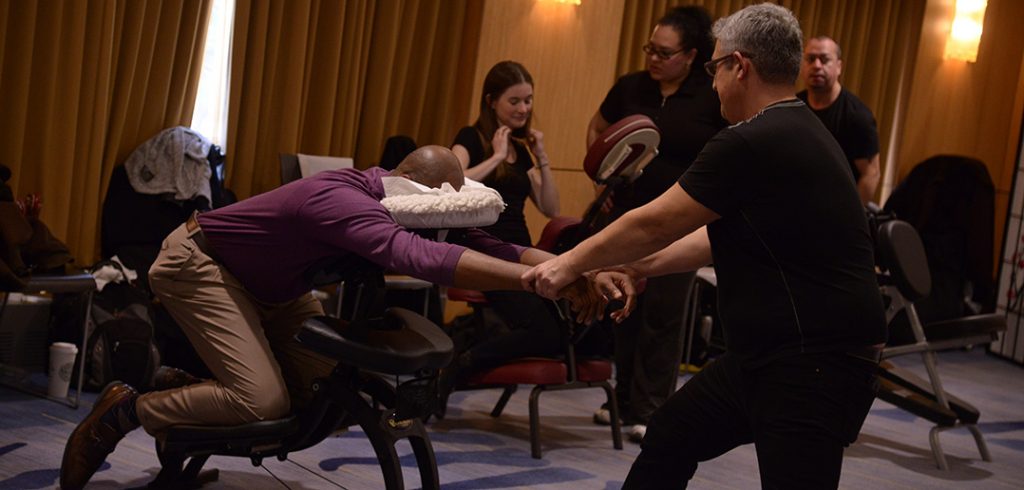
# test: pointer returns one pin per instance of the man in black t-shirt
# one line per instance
(770, 201)
(845, 116)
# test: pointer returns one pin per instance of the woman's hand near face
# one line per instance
(499, 143)
(537, 143)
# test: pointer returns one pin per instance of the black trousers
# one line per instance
(649, 347)
(533, 330)
(800, 412)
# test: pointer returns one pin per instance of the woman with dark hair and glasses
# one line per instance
(505, 153)
(676, 93)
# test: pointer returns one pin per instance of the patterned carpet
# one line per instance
(476, 451)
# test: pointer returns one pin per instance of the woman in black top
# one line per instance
(676, 93)
(505, 153)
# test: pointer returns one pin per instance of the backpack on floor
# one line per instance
(121, 345)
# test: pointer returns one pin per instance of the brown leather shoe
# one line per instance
(167, 377)
(91, 442)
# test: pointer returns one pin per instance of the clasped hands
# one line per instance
(587, 292)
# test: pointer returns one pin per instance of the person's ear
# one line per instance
(742, 67)
(689, 55)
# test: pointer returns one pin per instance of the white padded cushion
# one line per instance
(413, 205)
(310, 165)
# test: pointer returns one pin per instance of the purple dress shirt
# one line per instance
(269, 241)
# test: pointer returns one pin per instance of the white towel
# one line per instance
(413, 205)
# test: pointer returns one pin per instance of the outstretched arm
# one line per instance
(478, 271)
(686, 254)
(637, 234)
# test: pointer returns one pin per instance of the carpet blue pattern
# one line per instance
(476, 451)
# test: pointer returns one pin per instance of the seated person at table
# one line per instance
(238, 281)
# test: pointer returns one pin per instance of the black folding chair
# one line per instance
(906, 279)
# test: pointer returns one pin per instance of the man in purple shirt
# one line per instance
(238, 281)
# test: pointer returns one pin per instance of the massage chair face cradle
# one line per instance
(615, 160)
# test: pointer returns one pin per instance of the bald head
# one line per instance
(431, 166)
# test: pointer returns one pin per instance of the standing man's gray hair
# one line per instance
(769, 35)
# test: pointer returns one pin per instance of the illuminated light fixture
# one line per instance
(965, 34)
(570, 2)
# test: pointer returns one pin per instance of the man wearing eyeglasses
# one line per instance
(676, 94)
(845, 116)
(770, 200)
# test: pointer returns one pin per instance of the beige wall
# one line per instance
(973, 109)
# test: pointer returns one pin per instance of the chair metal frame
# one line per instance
(906, 279)
(570, 380)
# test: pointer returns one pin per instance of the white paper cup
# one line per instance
(62, 364)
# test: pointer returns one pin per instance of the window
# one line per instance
(210, 116)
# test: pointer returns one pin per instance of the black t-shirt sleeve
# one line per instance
(612, 108)
(469, 138)
(720, 174)
(865, 133)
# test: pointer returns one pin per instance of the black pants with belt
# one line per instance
(800, 412)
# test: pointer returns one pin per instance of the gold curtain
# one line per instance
(339, 77)
(878, 47)
(81, 85)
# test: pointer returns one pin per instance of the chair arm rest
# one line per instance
(407, 343)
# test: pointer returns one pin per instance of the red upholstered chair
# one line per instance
(616, 157)
(545, 374)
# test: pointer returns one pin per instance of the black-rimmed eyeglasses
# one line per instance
(712, 66)
(662, 55)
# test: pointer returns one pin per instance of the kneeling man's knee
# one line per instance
(271, 404)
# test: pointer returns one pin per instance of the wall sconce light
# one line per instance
(570, 2)
(965, 34)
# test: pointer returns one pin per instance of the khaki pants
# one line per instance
(259, 368)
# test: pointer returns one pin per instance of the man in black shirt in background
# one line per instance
(845, 116)
(771, 202)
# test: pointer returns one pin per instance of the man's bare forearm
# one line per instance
(689, 253)
(483, 272)
(534, 256)
(641, 232)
